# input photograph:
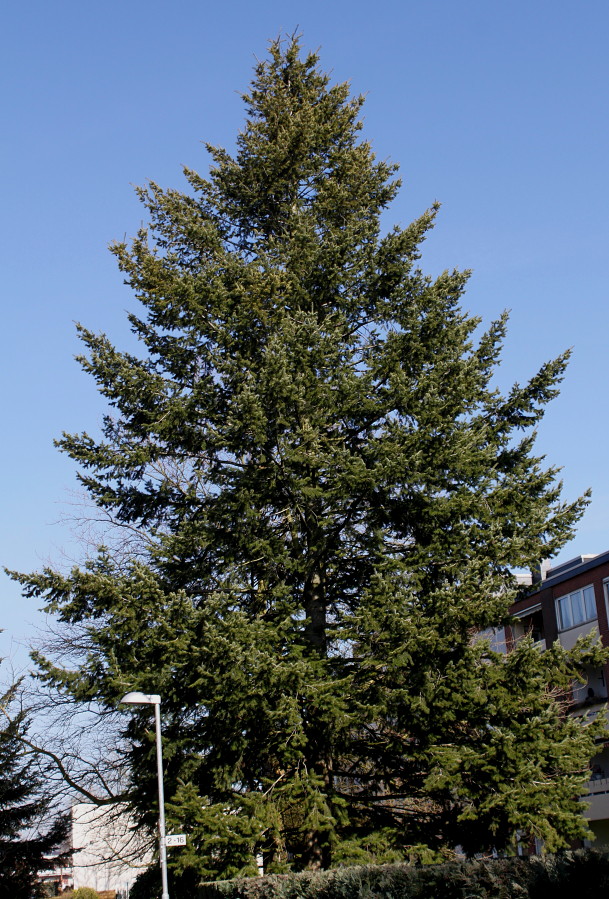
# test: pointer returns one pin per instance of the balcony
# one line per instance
(568, 637)
(590, 694)
(597, 799)
(529, 623)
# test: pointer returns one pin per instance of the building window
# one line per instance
(576, 608)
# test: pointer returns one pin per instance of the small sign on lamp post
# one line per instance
(175, 839)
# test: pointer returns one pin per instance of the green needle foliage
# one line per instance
(27, 836)
(329, 494)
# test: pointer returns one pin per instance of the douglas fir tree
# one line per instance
(329, 495)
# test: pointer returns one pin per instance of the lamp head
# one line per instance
(136, 698)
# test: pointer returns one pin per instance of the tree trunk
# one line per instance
(315, 609)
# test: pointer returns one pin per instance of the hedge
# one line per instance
(583, 874)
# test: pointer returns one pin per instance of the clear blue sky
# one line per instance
(498, 110)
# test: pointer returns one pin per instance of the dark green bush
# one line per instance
(570, 875)
(148, 884)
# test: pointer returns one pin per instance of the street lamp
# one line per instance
(154, 699)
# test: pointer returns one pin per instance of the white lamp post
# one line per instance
(155, 700)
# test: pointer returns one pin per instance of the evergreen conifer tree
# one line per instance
(329, 495)
(27, 836)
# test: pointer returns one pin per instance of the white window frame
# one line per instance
(573, 609)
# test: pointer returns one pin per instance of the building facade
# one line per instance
(107, 850)
(568, 601)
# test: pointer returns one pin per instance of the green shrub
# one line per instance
(582, 874)
(148, 884)
(81, 893)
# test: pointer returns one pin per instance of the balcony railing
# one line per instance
(599, 785)
(597, 799)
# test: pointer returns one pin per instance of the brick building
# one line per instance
(570, 600)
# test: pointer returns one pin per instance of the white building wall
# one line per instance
(108, 851)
